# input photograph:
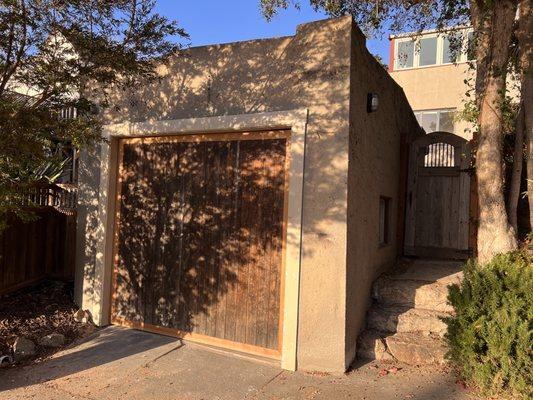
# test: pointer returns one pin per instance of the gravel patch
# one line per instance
(34, 312)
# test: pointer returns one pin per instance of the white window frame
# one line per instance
(440, 50)
(438, 111)
(418, 50)
(396, 59)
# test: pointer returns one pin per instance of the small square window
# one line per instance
(429, 121)
(446, 121)
(384, 220)
(406, 52)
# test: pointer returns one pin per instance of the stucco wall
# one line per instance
(88, 185)
(350, 154)
(376, 168)
(309, 70)
(443, 86)
(437, 87)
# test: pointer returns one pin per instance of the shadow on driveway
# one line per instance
(105, 346)
(121, 363)
(124, 363)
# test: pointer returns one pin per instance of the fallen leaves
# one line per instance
(384, 371)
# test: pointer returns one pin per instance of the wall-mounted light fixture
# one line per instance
(372, 102)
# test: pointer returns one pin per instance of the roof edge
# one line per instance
(429, 31)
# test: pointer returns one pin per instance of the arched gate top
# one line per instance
(440, 137)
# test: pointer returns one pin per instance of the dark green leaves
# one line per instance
(490, 336)
(58, 54)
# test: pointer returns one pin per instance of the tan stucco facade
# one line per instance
(349, 160)
(438, 87)
(377, 162)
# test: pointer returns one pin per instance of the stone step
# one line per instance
(441, 271)
(401, 319)
(409, 348)
(412, 293)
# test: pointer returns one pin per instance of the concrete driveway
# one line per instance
(118, 363)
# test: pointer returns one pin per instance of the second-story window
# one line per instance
(406, 54)
(470, 53)
(433, 49)
(448, 55)
(428, 51)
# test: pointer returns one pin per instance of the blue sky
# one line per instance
(218, 21)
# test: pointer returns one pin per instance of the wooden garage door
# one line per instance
(199, 237)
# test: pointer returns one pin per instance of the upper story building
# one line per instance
(433, 76)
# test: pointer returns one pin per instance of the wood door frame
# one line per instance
(98, 299)
(462, 161)
(200, 138)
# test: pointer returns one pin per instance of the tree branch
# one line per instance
(8, 53)
(132, 23)
(20, 53)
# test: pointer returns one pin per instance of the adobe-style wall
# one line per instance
(351, 158)
(437, 87)
(442, 86)
(309, 70)
(377, 167)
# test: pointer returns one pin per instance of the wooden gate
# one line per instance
(438, 197)
(199, 237)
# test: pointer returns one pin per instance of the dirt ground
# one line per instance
(38, 311)
(118, 363)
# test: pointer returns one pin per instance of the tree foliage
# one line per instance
(490, 338)
(51, 51)
(499, 38)
(396, 16)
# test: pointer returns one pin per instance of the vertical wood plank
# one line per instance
(223, 202)
(232, 189)
(464, 199)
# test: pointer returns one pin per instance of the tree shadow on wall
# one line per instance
(310, 70)
(200, 237)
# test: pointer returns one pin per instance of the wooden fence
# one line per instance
(44, 248)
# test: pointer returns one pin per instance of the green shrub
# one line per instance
(490, 336)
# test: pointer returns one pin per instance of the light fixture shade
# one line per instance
(372, 103)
